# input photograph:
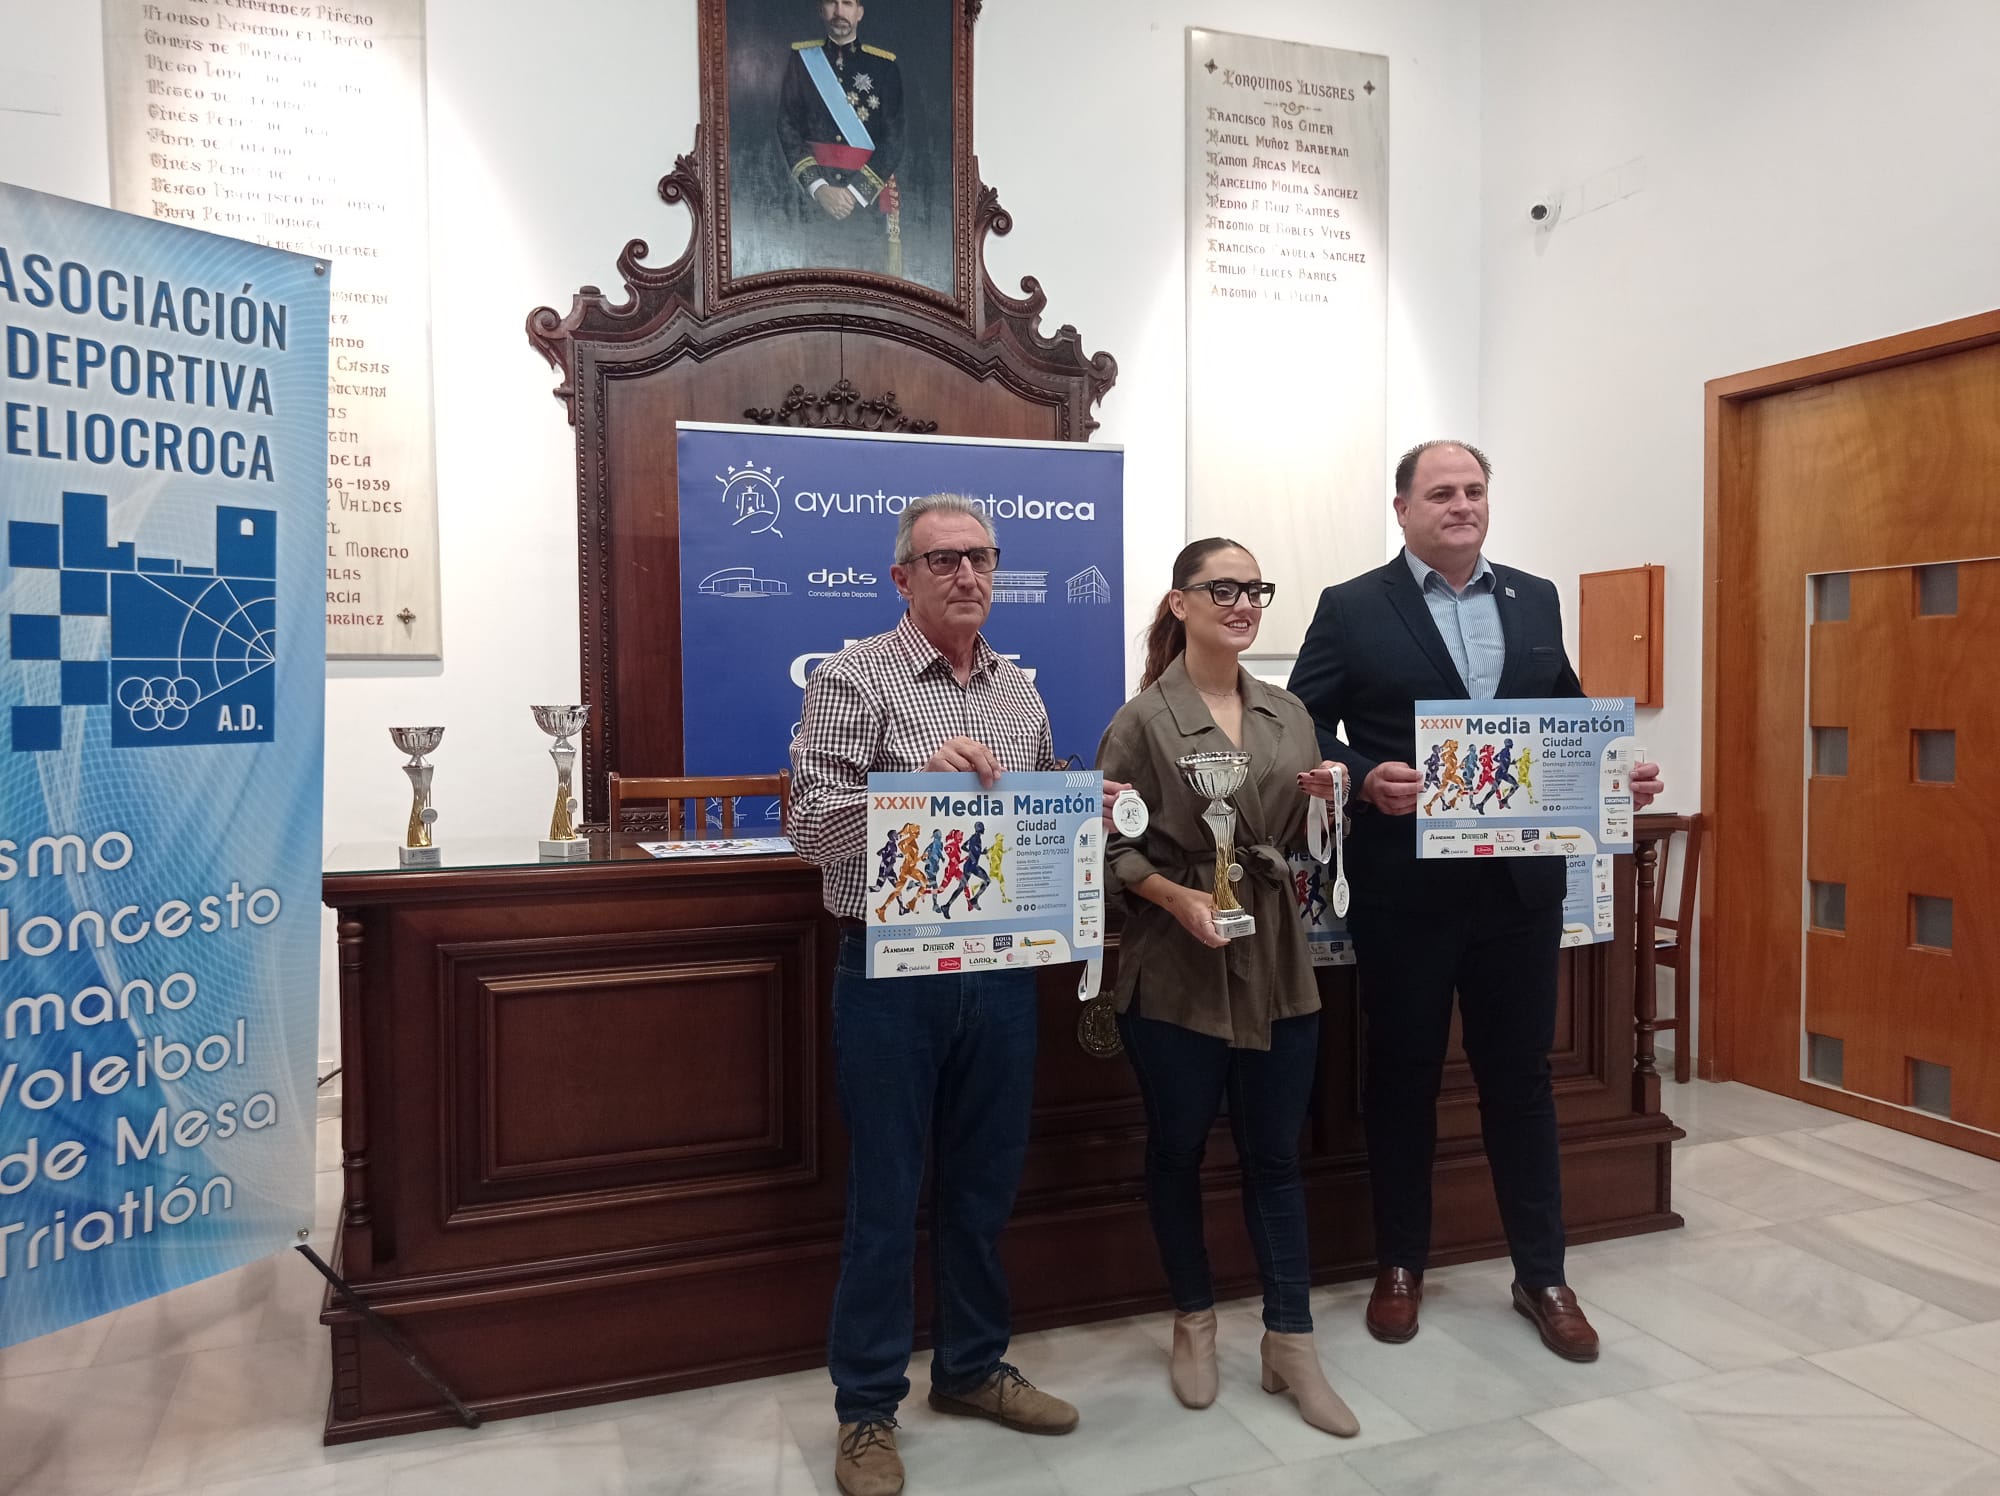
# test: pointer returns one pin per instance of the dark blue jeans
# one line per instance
(1182, 1078)
(949, 1061)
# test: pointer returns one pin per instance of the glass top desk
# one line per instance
(499, 853)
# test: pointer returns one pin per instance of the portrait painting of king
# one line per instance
(840, 137)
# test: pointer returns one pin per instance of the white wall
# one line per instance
(539, 174)
(1816, 173)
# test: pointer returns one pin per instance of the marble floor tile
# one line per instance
(1706, 1216)
(66, 1349)
(82, 1432)
(1731, 1173)
(736, 1444)
(1728, 1109)
(1923, 1377)
(1747, 1299)
(581, 1460)
(1944, 1256)
(1791, 1428)
(1812, 1152)
(292, 1309)
(1985, 1205)
(1334, 1477)
(1968, 1171)
(357, 1477)
(247, 1410)
(1976, 1345)
(1510, 1458)
(1701, 1323)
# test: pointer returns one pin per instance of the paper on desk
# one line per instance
(728, 846)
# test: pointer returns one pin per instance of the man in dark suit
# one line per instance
(840, 127)
(1441, 622)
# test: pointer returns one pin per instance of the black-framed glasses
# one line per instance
(945, 563)
(1223, 591)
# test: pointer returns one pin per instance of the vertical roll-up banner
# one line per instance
(162, 477)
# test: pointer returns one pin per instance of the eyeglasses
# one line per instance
(945, 563)
(1224, 591)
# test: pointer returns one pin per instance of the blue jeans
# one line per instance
(1182, 1078)
(948, 1060)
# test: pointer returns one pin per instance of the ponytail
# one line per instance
(1165, 640)
(1166, 637)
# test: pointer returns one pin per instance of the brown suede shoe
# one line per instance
(1392, 1307)
(1556, 1314)
(865, 1462)
(1010, 1398)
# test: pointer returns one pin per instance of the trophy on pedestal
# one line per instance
(563, 842)
(1218, 776)
(417, 849)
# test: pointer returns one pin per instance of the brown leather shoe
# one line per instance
(1392, 1307)
(1555, 1313)
(1010, 1398)
(865, 1462)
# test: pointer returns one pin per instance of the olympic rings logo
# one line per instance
(157, 702)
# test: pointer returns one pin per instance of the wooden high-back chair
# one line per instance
(1668, 941)
(692, 793)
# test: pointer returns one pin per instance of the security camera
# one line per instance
(1545, 212)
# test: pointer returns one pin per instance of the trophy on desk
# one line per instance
(1218, 776)
(417, 849)
(563, 844)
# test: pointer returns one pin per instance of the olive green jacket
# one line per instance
(1233, 993)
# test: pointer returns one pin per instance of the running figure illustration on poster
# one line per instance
(887, 873)
(933, 863)
(908, 873)
(954, 870)
(996, 868)
(973, 850)
(1499, 774)
(1445, 756)
(1523, 770)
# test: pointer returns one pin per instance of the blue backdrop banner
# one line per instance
(786, 541)
(162, 478)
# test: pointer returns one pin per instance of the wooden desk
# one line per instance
(592, 1148)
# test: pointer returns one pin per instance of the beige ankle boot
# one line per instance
(1292, 1362)
(1194, 1358)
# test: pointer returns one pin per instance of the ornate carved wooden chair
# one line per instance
(687, 800)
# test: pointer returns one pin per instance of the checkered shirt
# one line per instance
(884, 706)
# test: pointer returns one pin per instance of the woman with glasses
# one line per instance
(1202, 1016)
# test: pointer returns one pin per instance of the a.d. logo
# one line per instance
(180, 654)
(753, 493)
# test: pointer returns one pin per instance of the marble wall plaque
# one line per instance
(1287, 310)
(303, 127)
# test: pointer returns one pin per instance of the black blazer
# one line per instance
(1371, 654)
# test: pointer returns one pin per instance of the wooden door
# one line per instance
(1852, 618)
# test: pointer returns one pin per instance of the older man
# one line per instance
(946, 1060)
(1442, 622)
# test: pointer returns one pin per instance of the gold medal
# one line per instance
(1097, 1029)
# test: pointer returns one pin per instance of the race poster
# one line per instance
(968, 878)
(1525, 778)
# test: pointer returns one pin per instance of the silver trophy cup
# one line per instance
(563, 843)
(1218, 776)
(418, 850)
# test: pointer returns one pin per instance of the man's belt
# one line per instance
(843, 157)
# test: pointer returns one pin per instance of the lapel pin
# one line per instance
(1510, 591)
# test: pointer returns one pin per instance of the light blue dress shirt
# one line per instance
(1470, 623)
